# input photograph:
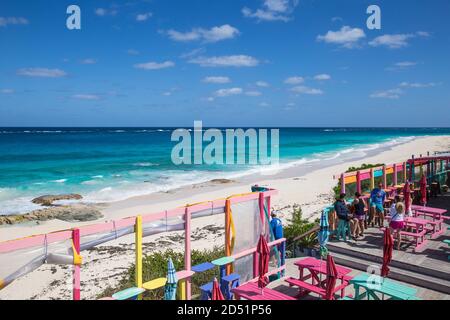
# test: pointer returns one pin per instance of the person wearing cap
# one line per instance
(276, 225)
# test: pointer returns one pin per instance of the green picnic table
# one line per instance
(447, 241)
(384, 289)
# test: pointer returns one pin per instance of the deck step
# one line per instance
(399, 274)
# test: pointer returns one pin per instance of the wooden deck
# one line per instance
(427, 270)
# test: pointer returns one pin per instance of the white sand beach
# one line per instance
(308, 186)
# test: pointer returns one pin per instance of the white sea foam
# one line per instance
(59, 180)
(145, 164)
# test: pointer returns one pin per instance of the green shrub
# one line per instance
(298, 226)
(154, 266)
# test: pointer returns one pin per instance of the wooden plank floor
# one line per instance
(292, 271)
(434, 255)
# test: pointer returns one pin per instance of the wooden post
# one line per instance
(138, 249)
(342, 183)
(261, 211)
(358, 181)
(372, 179)
(187, 249)
(384, 178)
(76, 264)
(395, 174)
(405, 172)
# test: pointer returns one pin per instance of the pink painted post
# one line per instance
(405, 172)
(342, 183)
(76, 267)
(384, 178)
(187, 249)
(395, 174)
(358, 181)
(261, 209)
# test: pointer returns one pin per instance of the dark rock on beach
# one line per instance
(48, 200)
(221, 181)
(65, 213)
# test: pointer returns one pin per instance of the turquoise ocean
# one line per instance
(109, 164)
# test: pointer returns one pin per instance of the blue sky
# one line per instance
(228, 63)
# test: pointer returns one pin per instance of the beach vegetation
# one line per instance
(365, 185)
(154, 266)
(298, 226)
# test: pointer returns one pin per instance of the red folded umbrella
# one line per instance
(216, 293)
(263, 264)
(423, 190)
(332, 275)
(407, 196)
(388, 245)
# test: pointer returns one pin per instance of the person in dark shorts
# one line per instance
(360, 214)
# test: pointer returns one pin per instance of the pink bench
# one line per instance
(304, 286)
(251, 291)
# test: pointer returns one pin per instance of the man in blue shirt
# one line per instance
(276, 226)
(377, 199)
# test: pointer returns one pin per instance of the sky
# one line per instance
(271, 63)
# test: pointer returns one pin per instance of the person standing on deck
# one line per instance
(397, 214)
(343, 213)
(377, 199)
(276, 226)
(360, 214)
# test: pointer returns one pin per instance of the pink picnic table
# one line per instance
(419, 230)
(434, 225)
(317, 273)
(428, 209)
(251, 291)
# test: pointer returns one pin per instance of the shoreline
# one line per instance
(317, 177)
(308, 186)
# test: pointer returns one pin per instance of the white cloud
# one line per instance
(226, 61)
(143, 16)
(41, 72)
(272, 10)
(387, 94)
(402, 65)
(86, 96)
(392, 41)
(154, 65)
(264, 104)
(133, 52)
(418, 84)
(396, 41)
(294, 80)
(262, 84)
(228, 92)
(167, 93)
(346, 37)
(322, 77)
(253, 93)
(88, 61)
(306, 90)
(405, 64)
(423, 34)
(216, 80)
(7, 91)
(105, 12)
(192, 53)
(214, 34)
(5, 21)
